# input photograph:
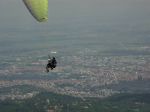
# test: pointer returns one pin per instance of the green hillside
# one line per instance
(45, 101)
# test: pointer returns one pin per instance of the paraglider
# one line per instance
(38, 9)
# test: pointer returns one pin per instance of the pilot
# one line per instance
(51, 64)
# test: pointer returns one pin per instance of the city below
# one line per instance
(86, 74)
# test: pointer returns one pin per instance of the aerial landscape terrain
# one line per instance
(102, 48)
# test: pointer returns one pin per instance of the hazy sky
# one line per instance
(13, 12)
(96, 19)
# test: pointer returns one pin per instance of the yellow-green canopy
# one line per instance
(38, 9)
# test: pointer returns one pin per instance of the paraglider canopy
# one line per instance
(38, 9)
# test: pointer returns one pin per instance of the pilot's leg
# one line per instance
(47, 70)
